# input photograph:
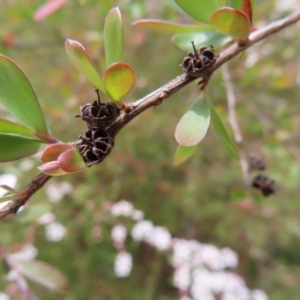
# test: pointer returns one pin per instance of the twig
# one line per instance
(158, 96)
(235, 126)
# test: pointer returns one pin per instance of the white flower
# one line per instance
(119, 233)
(137, 215)
(182, 251)
(259, 295)
(122, 208)
(4, 296)
(27, 253)
(55, 232)
(182, 277)
(210, 256)
(141, 230)
(56, 191)
(9, 180)
(160, 238)
(230, 258)
(123, 264)
(46, 218)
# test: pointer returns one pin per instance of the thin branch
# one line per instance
(158, 96)
(235, 126)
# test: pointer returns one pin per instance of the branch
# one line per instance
(157, 97)
(235, 126)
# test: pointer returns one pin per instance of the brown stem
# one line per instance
(157, 97)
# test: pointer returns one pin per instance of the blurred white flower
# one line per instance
(141, 230)
(123, 264)
(182, 251)
(259, 295)
(185, 298)
(182, 277)
(230, 258)
(56, 191)
(287, 5)
(27, 253)
(137, 215)
(210, 256)
(122, 208)
(26, 164)
(119, 233)
(46, 218)
(9, 180)
(55, 232)
(4, 296)
(160, 238)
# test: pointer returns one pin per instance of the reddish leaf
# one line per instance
(247, 9)
(48, 9)
(231, 22)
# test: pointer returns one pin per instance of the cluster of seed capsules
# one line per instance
(197, 61)
(96, 143)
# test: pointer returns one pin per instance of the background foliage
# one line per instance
(197, 200)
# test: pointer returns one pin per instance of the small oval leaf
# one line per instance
(231, 22)
(200, 10)
(18, 96)
(82, 62)
(43, 273)
(221, 131)
(168, 27)
(71, 161)
(113, 36)
(15, 128)
(193, 125)
(119, 79)
(182, 154)
(52, 152)
(16, 147)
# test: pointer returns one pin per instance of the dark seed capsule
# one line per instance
(264, 184)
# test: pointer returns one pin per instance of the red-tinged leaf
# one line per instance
(71, 161)
(211, 37)
(82, 62)
(18, 96)
(113, 36)
(119, 79)
(200, 10)
(168, 27)
(48, 9)
(53, 151)
(13, 147)
(10, 127)
(232, 22)
(182, 154)
(52, 168)
(193, 125)
(44, 274)
(247, 9)
(229, 145)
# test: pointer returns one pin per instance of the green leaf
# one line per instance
(44, 274)
(15, 128)
(33, 212)
(232, 22)
(119, 79)
(221, 131)
(113, 36)
(16, 147)
(200, 10)
(18, 96)
(182, 154)
(211, 37)
(193, 125)
(257, 195)
(81, 61)
(237, 4)
(168, 27)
